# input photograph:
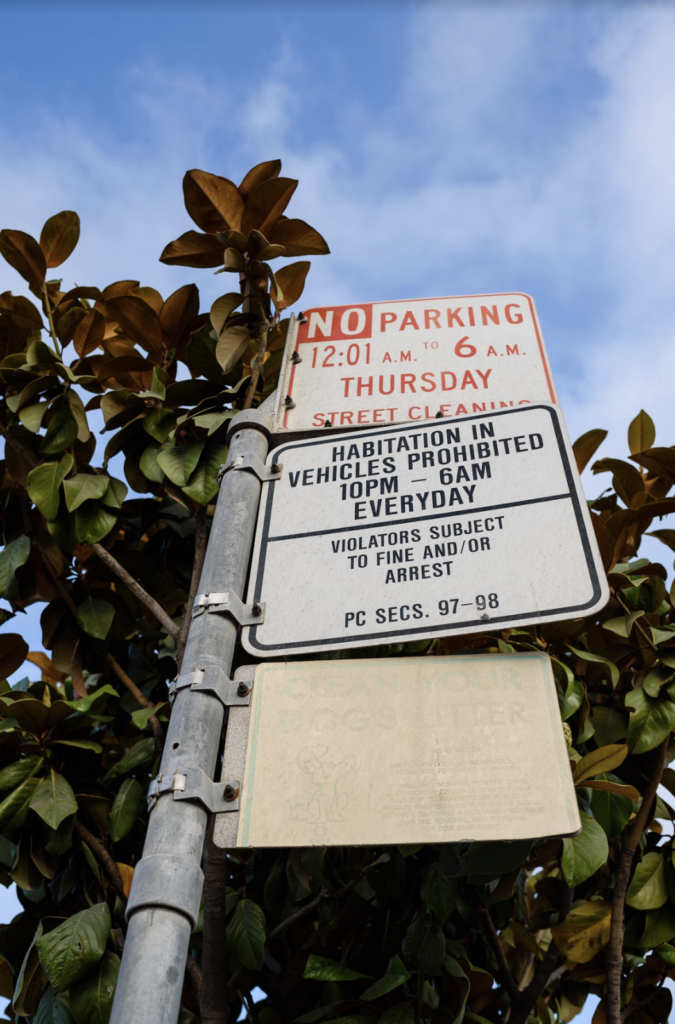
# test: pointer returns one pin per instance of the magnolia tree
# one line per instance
(112, 543)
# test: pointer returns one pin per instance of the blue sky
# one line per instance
(441, 148)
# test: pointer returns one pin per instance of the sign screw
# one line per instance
(288, 402)
(296, 358)
(242, 690)
(301, 318)
(256, 609)
(328, 423)
(276, 468)
(229, 793)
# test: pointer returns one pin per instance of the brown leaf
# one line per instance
(641, 433)
(586, 446)
(127, 876)
(658, 461)
(266, 204)
(231, 346)
(123, 364)
(24, 254)
(604, 759)
(59, 237)
(13, 651)
(138, 320)
(605, 540)
(119, 288)
(193, 250)
(652, 510)
(291, 280)
(49, 670)
(179, 309)
(299, 239)
(221, 309)
(89, 333)
(213, 202)
(151, 296)
(258, 174)
(25, 314)
(612, 787)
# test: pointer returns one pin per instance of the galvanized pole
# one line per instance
(166, 892)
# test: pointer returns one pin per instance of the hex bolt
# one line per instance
(276, 467)
(296, 358)
(328, 423)
(243, 690)
(256, 609)
(289, 403)
(229, 793)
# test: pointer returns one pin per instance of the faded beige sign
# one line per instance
(400, 751)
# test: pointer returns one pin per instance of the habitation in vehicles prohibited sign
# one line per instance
(422, 530)
(411, 360)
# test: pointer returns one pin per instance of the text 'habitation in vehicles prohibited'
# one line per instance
(413, 531)
(414, 359)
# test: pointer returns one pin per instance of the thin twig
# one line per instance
(126, 680)
(102, 856)
(197, 566)
(614, 960)
(52, 329)
(255, 372)
(507, 979)
(143, 596)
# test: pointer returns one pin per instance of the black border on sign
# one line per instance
(477, 624)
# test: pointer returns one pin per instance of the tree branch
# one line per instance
(197, 566)
(614, 960)
(255, 372)
(507, 979)
(153, 606)
(194, 973)
(214, 1002)
(102, 856)
(153, 722)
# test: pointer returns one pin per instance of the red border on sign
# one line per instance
(438, 298)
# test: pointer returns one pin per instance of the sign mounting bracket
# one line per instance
(226, 602)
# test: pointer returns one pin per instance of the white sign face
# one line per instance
(415, 531)
(414, 750)
(414, 359)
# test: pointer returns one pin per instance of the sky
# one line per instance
(442, 149)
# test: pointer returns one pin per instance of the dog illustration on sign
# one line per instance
(330, 797)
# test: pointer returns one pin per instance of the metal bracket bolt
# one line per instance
(288, 402)
(252, 464)
(224, 602)
(194, 784)
(296, 358)
(212, 680)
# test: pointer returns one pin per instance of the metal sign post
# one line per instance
(165, 896)
(402, 533)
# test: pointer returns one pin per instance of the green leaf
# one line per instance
(79, 744)
(95, 617)
(203, 484)
(439, 892)
(62, 430)
(93, 523)
(24, 254)
(246, 931)
(159, 423)
(647, 890)
(115, 493)
(31, 416)
(622, 624)
(93, 701)
(44, 483)
(584, 931)
(601, 760)
(232, 345)
(54, 1008)
(573, 698)
(396, 975)
(13, 555)
(14, 774)
(82, 487)
(598, 660)
(321, 968)
(222, 307)
(641, 433)
(585, 853)
(31, 982)
(402, 1013)
(650, 722)
(610, 724)
(59, 237)
(611, 810)
(74, 948)
(14, 808)
(179, 463)
(141, 717)
(141, 752)
(53, 799)
(91, 998)
(659, 926)
(424, 944)
(667, 954)
(149, 466)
